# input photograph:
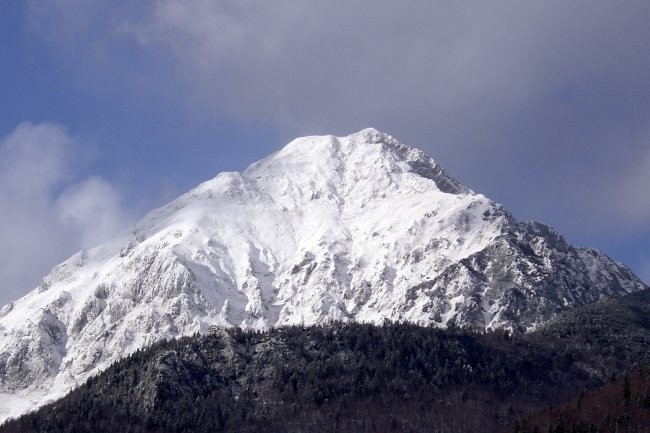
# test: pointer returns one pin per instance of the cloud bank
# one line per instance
(46, 214)
(541, 105)
(525, 101)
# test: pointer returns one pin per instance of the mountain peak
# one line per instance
(372, 135)
(363, 154)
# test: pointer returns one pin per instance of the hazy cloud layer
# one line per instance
(44, 217)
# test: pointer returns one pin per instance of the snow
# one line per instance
(356, 228)
(488, 315)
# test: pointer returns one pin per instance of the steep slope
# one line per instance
(358, 228)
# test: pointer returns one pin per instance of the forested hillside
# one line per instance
(621, 406)
(355, 378)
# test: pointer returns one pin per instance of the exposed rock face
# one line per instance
(359, 228)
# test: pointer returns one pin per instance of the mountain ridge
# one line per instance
(357, 228)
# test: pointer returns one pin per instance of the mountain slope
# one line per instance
(354, 377)
(357, 228)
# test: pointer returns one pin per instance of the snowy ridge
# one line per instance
(357, 228)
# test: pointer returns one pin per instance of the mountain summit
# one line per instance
(356, 228)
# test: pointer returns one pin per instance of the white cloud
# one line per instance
(92, 209)
(33, 160)
(39, 224)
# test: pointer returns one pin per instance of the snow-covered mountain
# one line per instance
(358, 228)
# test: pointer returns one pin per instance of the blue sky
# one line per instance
(111, 108)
